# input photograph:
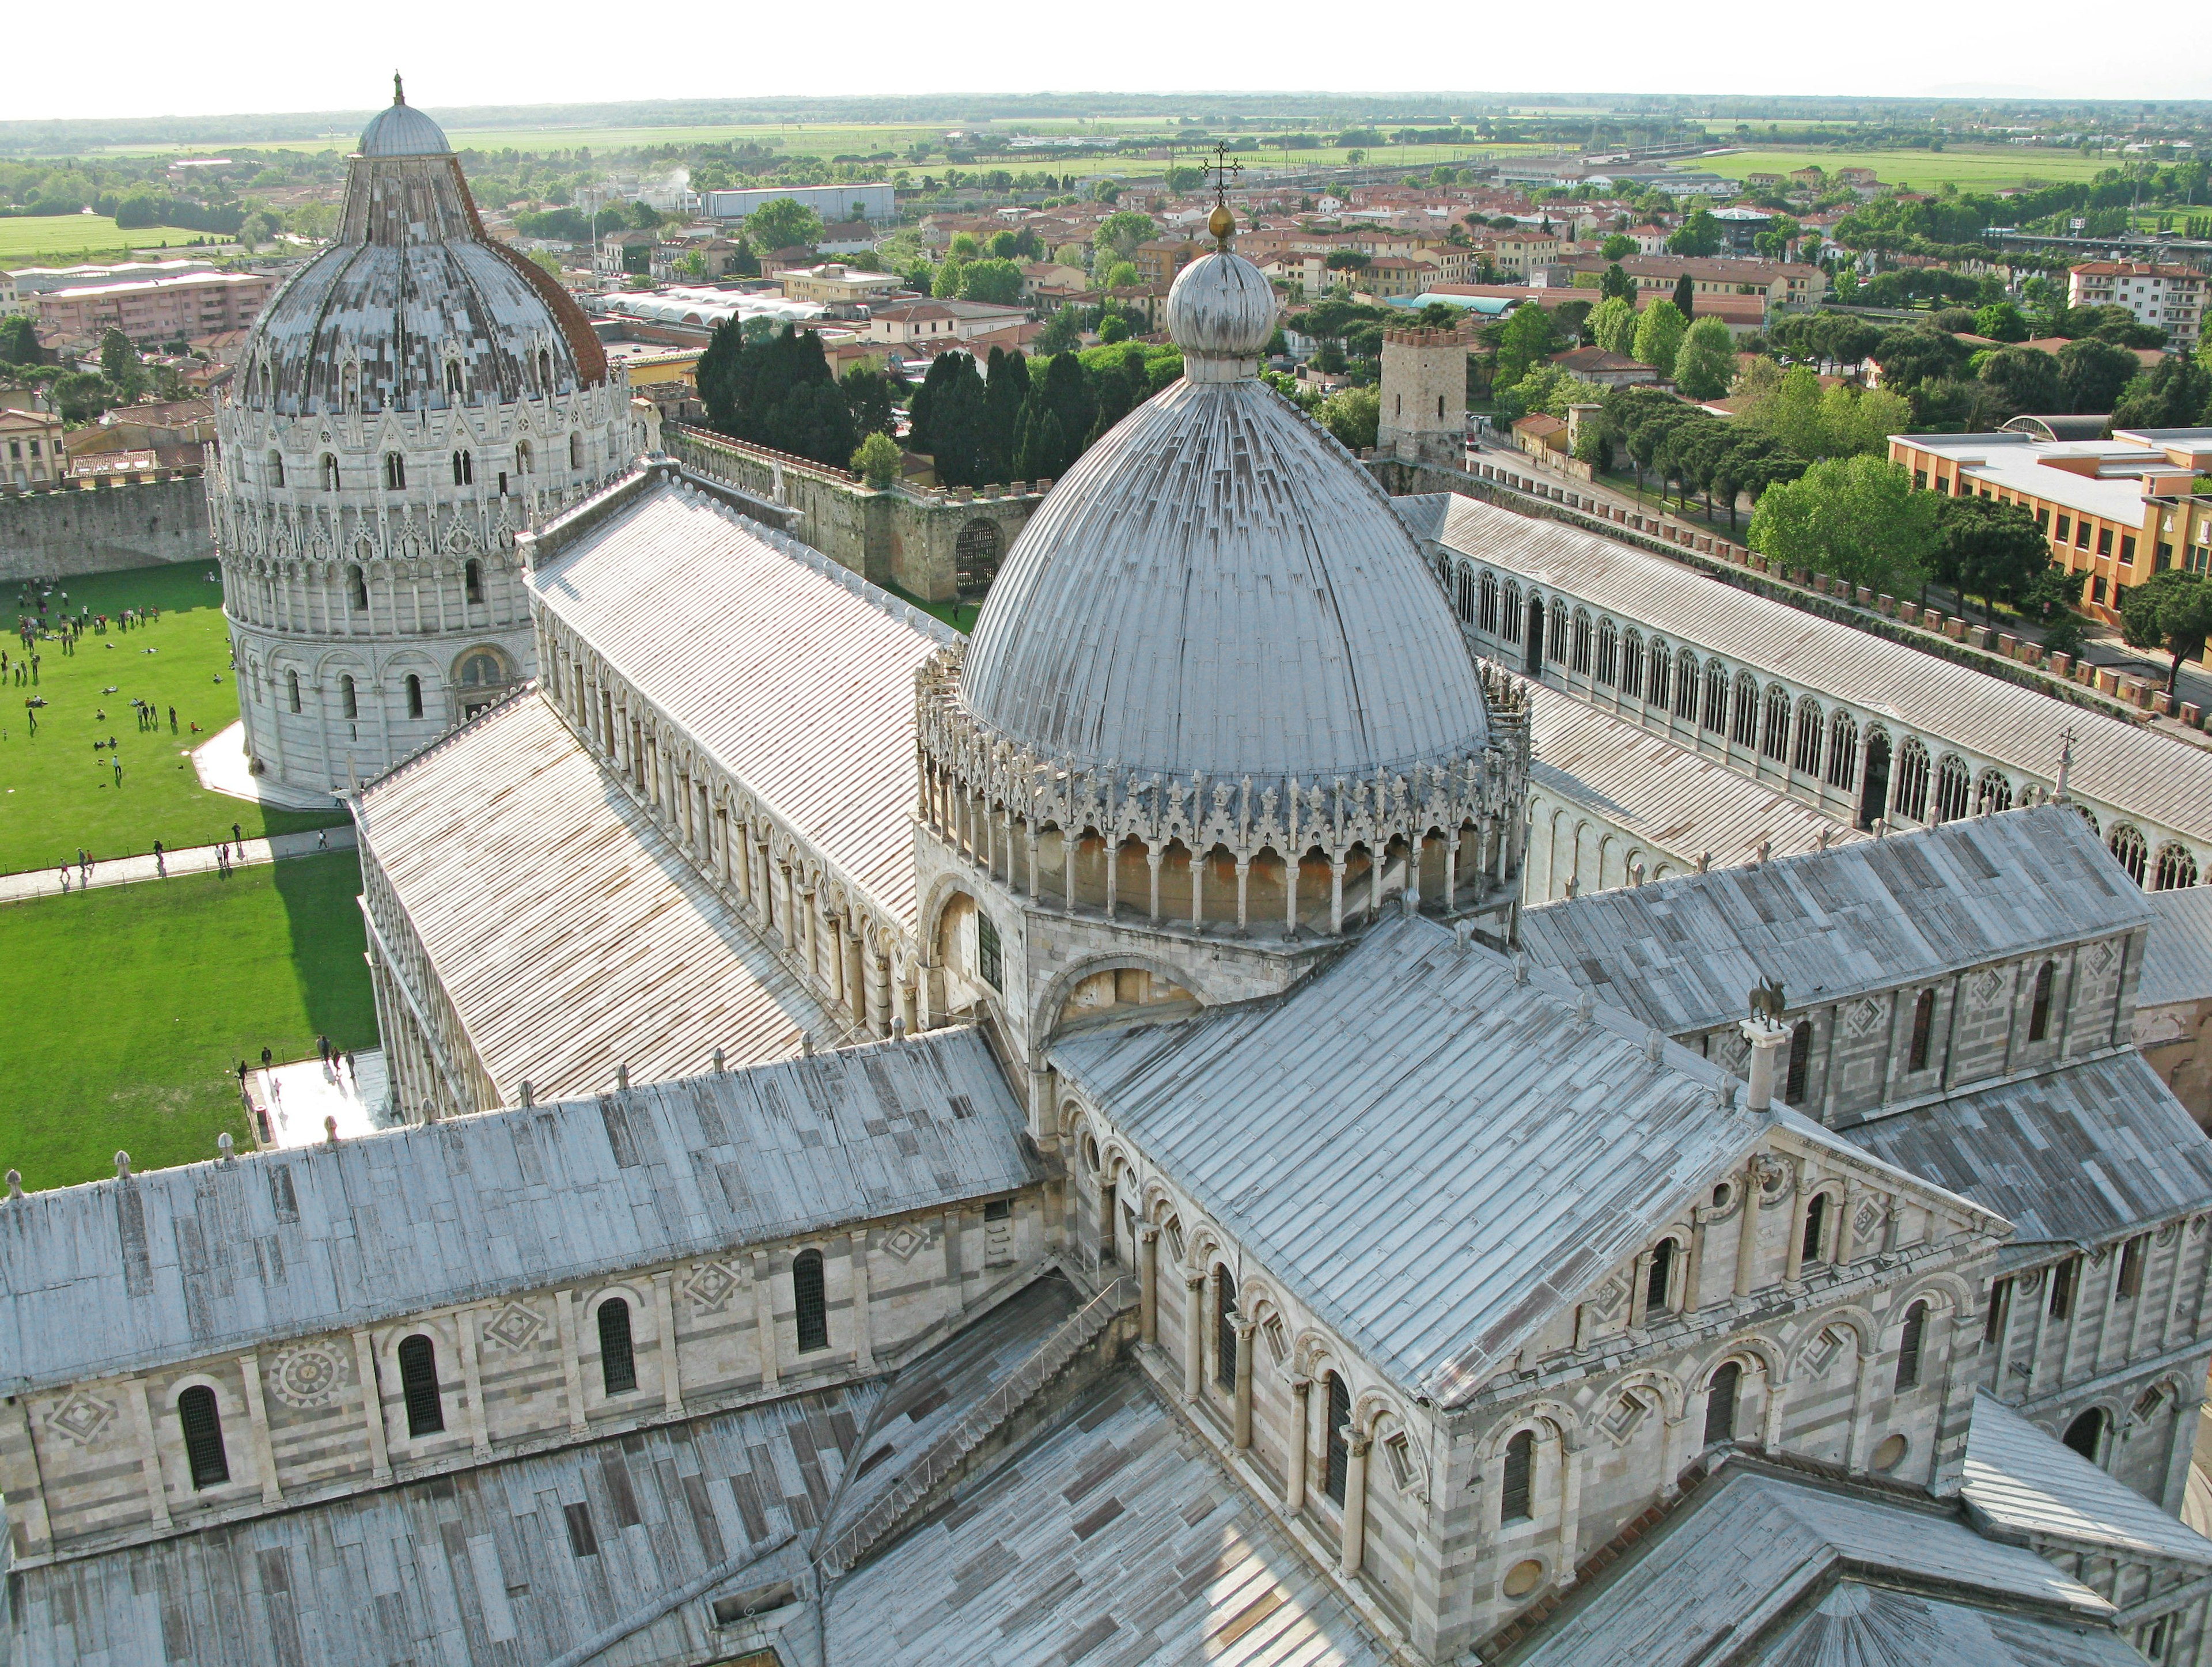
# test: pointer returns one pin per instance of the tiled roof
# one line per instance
(2178, 960)
(2020, 1480)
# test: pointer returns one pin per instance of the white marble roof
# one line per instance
(2177, 960)
(2022, 1481)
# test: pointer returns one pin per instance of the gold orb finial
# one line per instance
(1221, 223)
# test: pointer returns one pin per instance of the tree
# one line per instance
(950, 420)
(1065, 391)
(1062, 332)
(1527, 336)
(19, 341)
(1612, 325)
(877, 460)
(1617, 247)
(2025, 378)
(783, 222)
(2001, 322)
(944, 285)
(1987, 549)
(991, 280)
(1005, 391)
(1685, 296)
(81, 395)
(2172, 610)
(1700, 234)
(777, 391)
(1041, 451)
(2175, 394)
(1910, 356)
(2093, 373)
(1705, 363)
(1857, 519)
(1659, 335)
(1120, 275)
(119, 363)
(1616, 284)
(1119, 233)
(868, 395)
(1353, 415)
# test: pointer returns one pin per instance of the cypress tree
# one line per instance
(1686, 292)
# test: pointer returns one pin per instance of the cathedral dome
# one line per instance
(412, 307)
(1217, 587)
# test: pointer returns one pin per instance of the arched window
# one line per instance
(526, 461)
(1632, 665)
(202, 1429)
(1556, 649)
(1908, 1347)
(414, 696)
(1745, 731)
(1843, 750)
(1659, 1278)
(395, 471)
(291, 689)
(1816, 1228)
(1510, 626)
(464, 469)
(349, 700)
(356, 589)
(1581, 653)
(1517, 1488)
(1805, 758)
(576, 451)
(1774, 742)
(2038, 1013)
(1224, 1328)
(418, 1382)
(2176, 869)
(617, 1358)
(1992, 793)
(2086, 1435)
(454, 378)
(1486, 615)
(1951, 788)
(1685, 685)
(1911, 798)
(1801, 1064)
(1717, 699)
(481, 671)
(809, 1300)
(2127, 844)
(275, 468)
(1463, 589)
(330, 473)
(472, 580)
(1720, 1404)
(1608, 651)
(1336, 1413)
(1924, 1029)
(1659, 661)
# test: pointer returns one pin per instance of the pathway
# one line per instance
(293, 1102)
(193, 859)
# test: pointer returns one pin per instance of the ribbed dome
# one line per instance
(412, 307)
(1222, 307)
(1218, 588)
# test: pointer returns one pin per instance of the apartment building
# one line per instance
(158, 309)
(2167, 297)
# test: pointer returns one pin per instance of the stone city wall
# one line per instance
(103, 525)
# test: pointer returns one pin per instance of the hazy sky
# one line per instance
(258, 55)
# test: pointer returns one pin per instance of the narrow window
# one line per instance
(472, 579)
(2128, 1285)
(523, 461)
(418, 1382)
(356, 589)
(395, 471)
(1999, 1311)
(458, 471)
(1720, 1404)
(1908, 1347)
(330, 473)
(454, 377)
(1659, 1280)
(203, 1427)
(576, 451)
(275, 468)
(1337, 1457)
(809, 1300)
(1517, 1496)
(1801, 1061)
(1224, 1328)
(414, 697)
(292, 688)
(2086, 1435)
(2039, 1016)
(1816, 1222)
(989, 960)
(2064, 1278)
(349, 700)
(617, 1359)
(1924, 1022)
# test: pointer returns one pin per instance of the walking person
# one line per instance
(322, 839)
(161, 864)
(236, 835)
(267, 1059)
(65, 876)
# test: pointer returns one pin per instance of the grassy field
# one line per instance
(129, 1007)
(1986, 169)
(35, 237)
(57, 794)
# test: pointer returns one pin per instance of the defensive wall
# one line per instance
(104, 524)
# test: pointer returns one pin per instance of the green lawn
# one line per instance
(130, 1007)
(1989, 169)
(34, 237)
(57, 794)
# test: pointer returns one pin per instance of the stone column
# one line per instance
(672, 1365)
(1154, 855)
(1244, 892)
(1570, 1509)
(856, 989)
(1855, 1445)
(863, 1342)
(879, 993)
(257, 1415)
(1194, 1334)
(472, 1382)
(1336, 895)
(572, 1365)
(19, 1476)
(372, 1406)
(1241, 1419)
(764, 1321)
(1148, 1283)
(1294, 1465)
(1793, 1249)
(1355, 1507)
(1639, 1282)
(1747, 1232)
(1197, 891)
(149, 1455)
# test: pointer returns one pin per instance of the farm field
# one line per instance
(130, 1007)
(1985, 169)
(22, 240)
(57, 792)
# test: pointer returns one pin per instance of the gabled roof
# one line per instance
(1434, 1156)
(1760, 1570)
(2023, 1485)
(178, 1263)
(2177, 959)
(2076, 1155)
(1684, 954)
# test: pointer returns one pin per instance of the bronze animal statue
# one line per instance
(1767, 1000)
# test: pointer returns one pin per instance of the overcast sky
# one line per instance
(258, 55)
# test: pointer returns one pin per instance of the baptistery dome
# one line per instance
(1217, 588)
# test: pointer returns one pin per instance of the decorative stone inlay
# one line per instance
(1867, 1218)
(1864, 1016)
(710, 1287)
(1609, 1297)
(1824, 1348)
(1626, 1413)
(515, 1326)
(1987, 986)
(902, 1241)
(81, 1418)
(307, 1375)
